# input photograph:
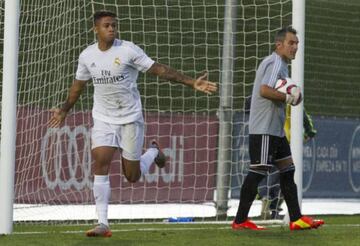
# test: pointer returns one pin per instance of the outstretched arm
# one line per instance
(167, 73)
(59, 114)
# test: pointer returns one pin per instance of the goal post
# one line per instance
(8, 114)
(225, 109)
(297, 74)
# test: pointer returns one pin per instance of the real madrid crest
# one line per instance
(117, 61)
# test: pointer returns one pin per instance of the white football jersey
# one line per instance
(114, 73)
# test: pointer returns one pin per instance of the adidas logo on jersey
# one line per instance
(93, 64)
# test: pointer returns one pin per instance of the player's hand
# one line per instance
(57, 118)
(289, 99)
(203, 85)
(295, 97)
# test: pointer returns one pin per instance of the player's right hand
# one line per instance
(57, 118)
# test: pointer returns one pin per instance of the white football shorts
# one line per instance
(128, 137)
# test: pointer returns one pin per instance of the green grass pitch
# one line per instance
(338, 230)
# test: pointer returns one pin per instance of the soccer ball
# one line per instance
(285, 85)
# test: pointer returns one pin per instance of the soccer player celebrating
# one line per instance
(113, 66)
(267, 142)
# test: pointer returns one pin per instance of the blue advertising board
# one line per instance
(331, 161)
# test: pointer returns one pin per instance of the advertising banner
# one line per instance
(331, 161)
(55, 165)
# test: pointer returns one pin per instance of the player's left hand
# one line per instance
(203, 85)
(296, 93)
(57, 118)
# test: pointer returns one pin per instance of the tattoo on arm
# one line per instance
(74, 94)
(168, 73)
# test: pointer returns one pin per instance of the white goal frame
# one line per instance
(9, 95)
(297, 74)
(8, 114)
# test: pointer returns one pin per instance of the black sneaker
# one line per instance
(160, 159)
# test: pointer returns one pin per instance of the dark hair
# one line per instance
(103, 13)
(281, 34)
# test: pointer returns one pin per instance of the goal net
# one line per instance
(53, 179)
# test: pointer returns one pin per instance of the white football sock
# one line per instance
(147, 159)
(102, 192)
